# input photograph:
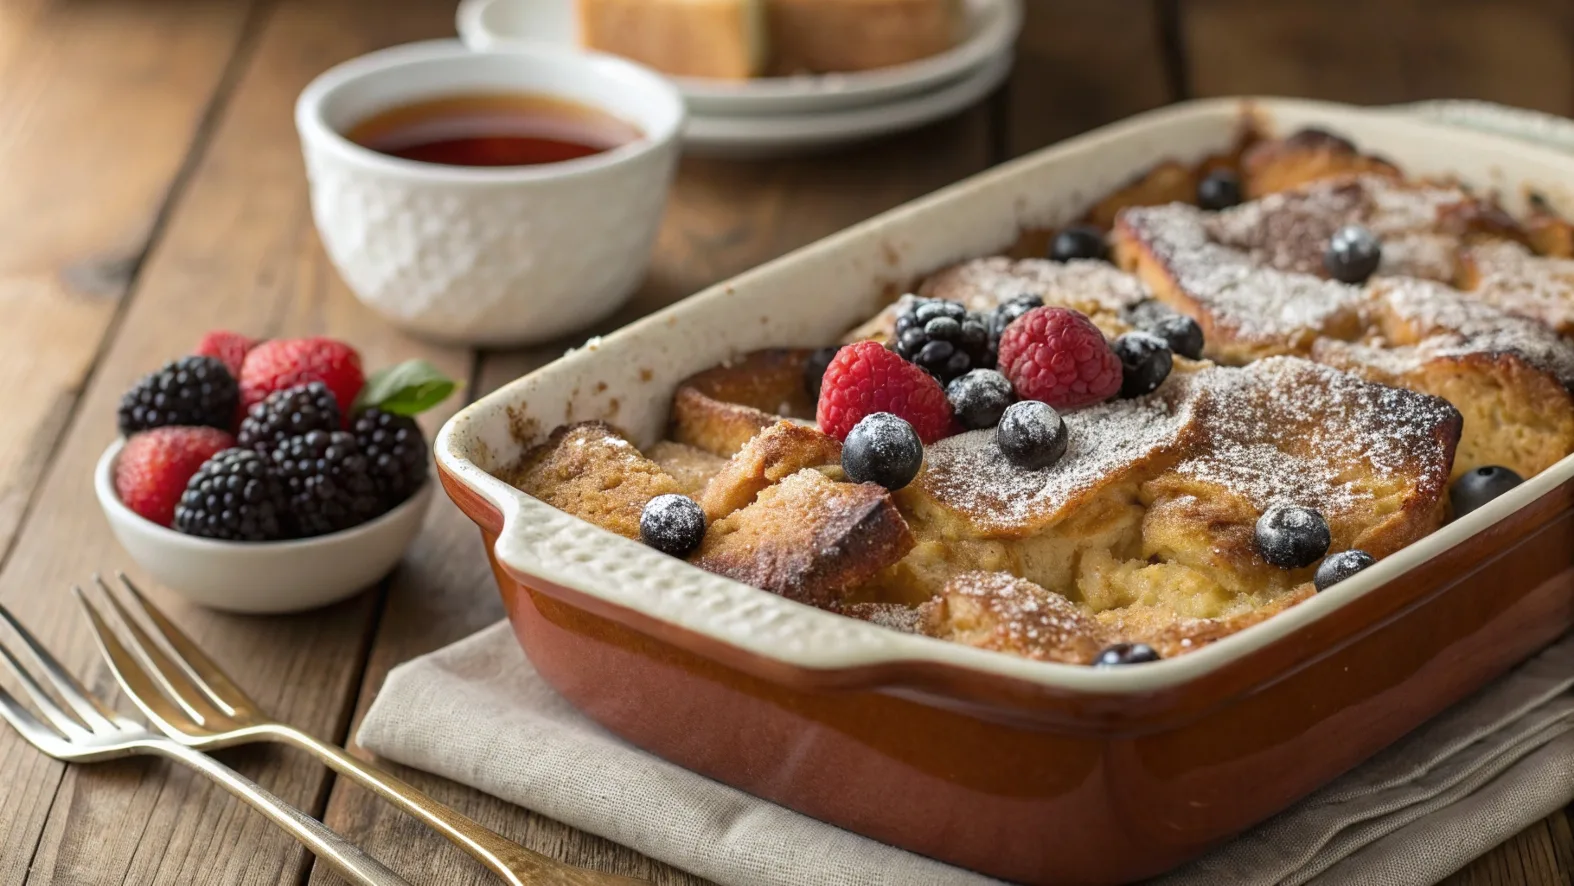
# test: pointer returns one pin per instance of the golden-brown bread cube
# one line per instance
(721, 409)
(1279, 164)
(590, 471)
(999, 612)
(808, 538)
(693, 468)
(778, 451)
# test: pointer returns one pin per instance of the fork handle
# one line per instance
(517, 865)
(344, 856)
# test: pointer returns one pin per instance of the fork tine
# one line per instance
(208, 676)
(144, 692)
(171, 678)
(83, 702)
(58, 717)
(22, 720)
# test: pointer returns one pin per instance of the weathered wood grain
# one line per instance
(1081, 65)
(1541, 854)
(1515, 51)
(239, 251)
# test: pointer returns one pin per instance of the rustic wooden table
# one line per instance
(151, 189)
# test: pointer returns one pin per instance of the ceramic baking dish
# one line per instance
(1035, 772)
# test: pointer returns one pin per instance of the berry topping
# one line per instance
(189, 391)
(1220, 189)
(672, 524)
(1078, 241)
(1290, 536)
(1125, 654)
(395, 451)
(1336, 568)
(1480, 486)
(942, 338)
(1181, 332)
(865, 378)
(980, 398)
(1005, 314)
(882, 449)
(154, 466)
(1145, 363)
(233, 496)
(230, 347)
(1353, 254)
(1058, 356)
(289, 413)
(284, 363)
(327, 481)
(1032, 434)
(814, 369)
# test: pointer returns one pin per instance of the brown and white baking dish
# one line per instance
(1030, 771)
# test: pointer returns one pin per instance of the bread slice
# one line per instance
(590, 471)
(721, 39)
(819, 36)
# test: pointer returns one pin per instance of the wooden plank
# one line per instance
(1541, 854)
(1081, 65)
(1514, 51)
(239, 252)
(724, 217)
(99, 105)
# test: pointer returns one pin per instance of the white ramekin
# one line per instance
(489, 256)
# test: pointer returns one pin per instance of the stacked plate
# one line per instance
(783, 115)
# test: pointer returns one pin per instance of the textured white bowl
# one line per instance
(261, 577)
(495, 255)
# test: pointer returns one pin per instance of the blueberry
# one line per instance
(1290, 536)
(1221, 189)
(979, 398)
(1032, 434)
(1125, 654)
(1353, 254)
(1145, 362)
(672, 524)
(883, 449)
(1480, 486)
(1338, 567)
(1181, 332)
(1078, 241)
(814, 370)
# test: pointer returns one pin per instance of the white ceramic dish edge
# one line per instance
(834, 283)
(262, 578)
(993, 26)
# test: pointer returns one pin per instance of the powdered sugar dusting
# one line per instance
(1084, 285)
(1510, 276)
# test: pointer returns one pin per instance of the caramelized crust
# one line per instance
(993, 610)
(808, 538)
(591, 472)
(1274, 165)
(721, 409)
(692, 468)
(776, 452)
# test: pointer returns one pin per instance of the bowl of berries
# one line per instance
(269, 477)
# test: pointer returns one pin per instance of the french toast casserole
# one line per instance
(1231, 385)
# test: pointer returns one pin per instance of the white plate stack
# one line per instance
(774, 116)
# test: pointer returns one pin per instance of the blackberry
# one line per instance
(1005, 314)
(814, 369)
(289, 413)
(234, 496)
(195, 391)
(327, 481)
(395, 451)
(942, 338)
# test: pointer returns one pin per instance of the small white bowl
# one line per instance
(261, 577)
(489, 255)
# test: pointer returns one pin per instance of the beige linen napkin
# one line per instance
(478, 713)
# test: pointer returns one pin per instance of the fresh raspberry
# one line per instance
(1058, 356)
(865, 378)
(231, 347)
(287, 362)
(153, 468)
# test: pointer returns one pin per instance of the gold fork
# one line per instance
(188, 698)
(77, 727)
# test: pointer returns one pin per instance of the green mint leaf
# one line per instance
(408, 388)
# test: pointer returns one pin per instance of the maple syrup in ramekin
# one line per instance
(497, 129)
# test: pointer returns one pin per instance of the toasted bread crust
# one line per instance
(721, 409)
(590, 471)
(774, 453)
